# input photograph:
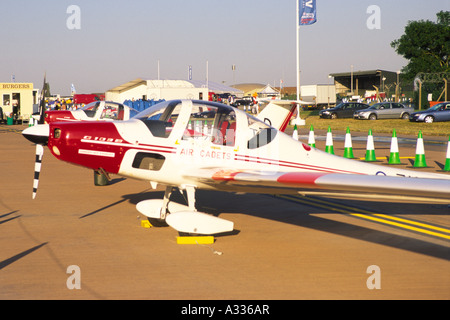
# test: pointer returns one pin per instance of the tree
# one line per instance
(426, 45)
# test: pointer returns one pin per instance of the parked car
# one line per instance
(204, 114)
(342, 110)
(244, 101)
(438, 112)
(384, 110)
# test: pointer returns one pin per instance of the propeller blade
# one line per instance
(39, 135)
(37, 167)
(45, 92)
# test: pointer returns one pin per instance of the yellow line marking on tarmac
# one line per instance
(401, 225)
(365, 214)
(428, 226)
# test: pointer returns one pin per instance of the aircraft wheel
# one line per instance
(158, 223)
(100, 179)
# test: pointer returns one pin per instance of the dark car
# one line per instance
(438, 112)
(204, 114)
(244, 101)
(343, 110)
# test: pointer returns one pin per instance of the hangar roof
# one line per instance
(129, 85)
(212, 86)
(215, 87)
(376, 72)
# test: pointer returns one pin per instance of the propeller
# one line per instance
(37, 167)
(39, 135)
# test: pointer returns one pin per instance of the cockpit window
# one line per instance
(112, 111)
(259, 133)
(91, 109)
(211, 123)
(160, 118)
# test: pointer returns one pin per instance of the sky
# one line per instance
(108, 42)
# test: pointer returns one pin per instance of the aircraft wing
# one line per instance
(357, 185)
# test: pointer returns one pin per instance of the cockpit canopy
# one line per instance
(109, 110)
(208, 121)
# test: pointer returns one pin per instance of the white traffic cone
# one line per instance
(370, 148)
(348, 148)
(295, 133)
(394, 157)
(329, 142)
(419, 161)
(447, 160)
(311, 138)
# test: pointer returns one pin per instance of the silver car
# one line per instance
(384, 110)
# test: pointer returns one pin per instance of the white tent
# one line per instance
(269, 91)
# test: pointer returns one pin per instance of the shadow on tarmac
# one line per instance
(213, 201)
(13, 259)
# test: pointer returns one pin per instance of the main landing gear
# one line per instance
(181, 217)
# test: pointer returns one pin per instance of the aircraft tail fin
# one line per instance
(278, 113)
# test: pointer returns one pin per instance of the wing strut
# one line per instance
(165, 203)
(190, 191)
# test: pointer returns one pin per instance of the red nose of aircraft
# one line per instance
(37, 134)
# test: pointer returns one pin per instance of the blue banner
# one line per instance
(307, 12)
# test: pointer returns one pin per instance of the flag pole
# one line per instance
(298, 120)
(298, 50)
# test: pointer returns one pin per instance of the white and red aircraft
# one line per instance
(94, 111)
(231, 150)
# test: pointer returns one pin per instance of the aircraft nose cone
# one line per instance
(37, 134)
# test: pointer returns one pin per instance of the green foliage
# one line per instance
(426, 45)
(402, 127)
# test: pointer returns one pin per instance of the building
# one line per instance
(258, 90)
(357, 83)
(167, 90)
(18, 100)
(269, 92)
(249, 89)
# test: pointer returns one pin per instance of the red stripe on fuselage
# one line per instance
(289, 164)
